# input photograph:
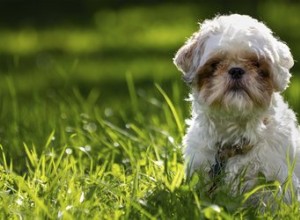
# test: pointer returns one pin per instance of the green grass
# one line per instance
(78, 162)
(92, 118)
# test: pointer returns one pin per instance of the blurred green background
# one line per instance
(46, 45)
(50, 49)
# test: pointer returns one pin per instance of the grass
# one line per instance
(92, 120)
(82, 161)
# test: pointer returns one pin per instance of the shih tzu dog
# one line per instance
(240, 124)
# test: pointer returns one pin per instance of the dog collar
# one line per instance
(223, 154)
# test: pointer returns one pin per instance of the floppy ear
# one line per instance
(285, 62)
(188, 57)
(184, 56)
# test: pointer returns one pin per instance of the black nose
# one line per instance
(236, 72)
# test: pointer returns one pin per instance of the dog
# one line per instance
(240, 123)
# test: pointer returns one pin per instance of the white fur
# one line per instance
(244, 34)
(276, 144)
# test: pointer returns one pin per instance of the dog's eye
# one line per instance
(255, 63)
(214, 64)
(264, 73)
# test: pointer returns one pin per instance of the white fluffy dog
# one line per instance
(240, 123)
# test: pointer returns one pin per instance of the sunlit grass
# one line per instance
(77, 160)
(86, 165)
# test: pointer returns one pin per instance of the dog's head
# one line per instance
(235, 62)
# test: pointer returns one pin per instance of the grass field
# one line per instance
(92, 120)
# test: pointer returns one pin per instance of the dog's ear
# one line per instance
(188, 57)
(284, 63)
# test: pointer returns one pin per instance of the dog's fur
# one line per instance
(237, 69)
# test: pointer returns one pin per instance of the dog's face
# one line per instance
(234, 62)
(240, 81)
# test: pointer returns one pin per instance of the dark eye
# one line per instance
(264, 73)
(214, 64)
(255, 63)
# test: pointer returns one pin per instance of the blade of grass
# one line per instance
(172, 108)
(133, 95)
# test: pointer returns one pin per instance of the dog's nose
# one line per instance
(236, 72)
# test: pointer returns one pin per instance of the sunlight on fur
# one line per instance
(237, 69)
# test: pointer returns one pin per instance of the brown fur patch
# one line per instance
(256, 83)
